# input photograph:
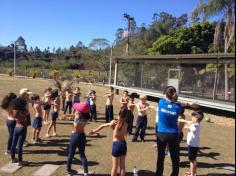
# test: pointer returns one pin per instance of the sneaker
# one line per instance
(71, 172)
(14, 160)
(38, 141)
(26, 144)
(8, 152)
(54, 134)
(23, 163)
(47, 136)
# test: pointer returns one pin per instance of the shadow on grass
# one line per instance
(97, 136)
(211, 155)
(140, 173)
(215, 174)
(185, 164)
(75, 161)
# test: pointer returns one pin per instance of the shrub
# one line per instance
(32, 73)
(9, 71)
(54, 74)
(76, 74)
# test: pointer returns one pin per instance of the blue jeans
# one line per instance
(11, 124)
(109, 113)
(141, 127)
(77, 140)
(18, 137)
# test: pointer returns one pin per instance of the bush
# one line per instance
(9, 71)
(32, 73)
(76, 74)
(54, 74)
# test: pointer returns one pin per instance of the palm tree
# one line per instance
(225, 9)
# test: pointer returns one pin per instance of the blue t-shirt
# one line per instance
(168, 114)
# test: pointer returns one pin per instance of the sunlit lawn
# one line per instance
(217, 142)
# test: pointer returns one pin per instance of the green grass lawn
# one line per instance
(217, 142)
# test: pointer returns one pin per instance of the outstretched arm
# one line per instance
(184, 121)
(101, 127)
(193, 105)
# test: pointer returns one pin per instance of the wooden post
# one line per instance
(226, 83)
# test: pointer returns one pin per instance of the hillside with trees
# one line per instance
(167, 34)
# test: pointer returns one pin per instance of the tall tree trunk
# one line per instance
(229, 29)
(226, 83)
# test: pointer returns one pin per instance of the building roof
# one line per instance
(179, 56)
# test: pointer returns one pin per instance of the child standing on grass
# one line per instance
(93, 107)
(47, 105)
(6, 104)
(193, 140)
(37, 124)
(77, 95)
(131, 107)
(142, 119)
(119, 148)
(20, 113)
(25, 94)
(78, 137)
(109, 105)
(69, 98)
(125, 99)
(56, 108)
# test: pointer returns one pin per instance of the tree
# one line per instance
(101, 48)
(224, 8)
(119, 35)
(79, 45)
(20, 44)
(99, 44)
(188, 40)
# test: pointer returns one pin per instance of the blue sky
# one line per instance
(65, 22)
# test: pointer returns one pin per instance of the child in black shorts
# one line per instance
(193, 140)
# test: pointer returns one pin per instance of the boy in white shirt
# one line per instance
(193, 140)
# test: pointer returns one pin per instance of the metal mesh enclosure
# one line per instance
(211, 79)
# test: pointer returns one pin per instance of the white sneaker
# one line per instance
(7, 152)
(47, 136)
(26, 144)
(54, 134)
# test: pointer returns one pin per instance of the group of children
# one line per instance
(18, 120)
